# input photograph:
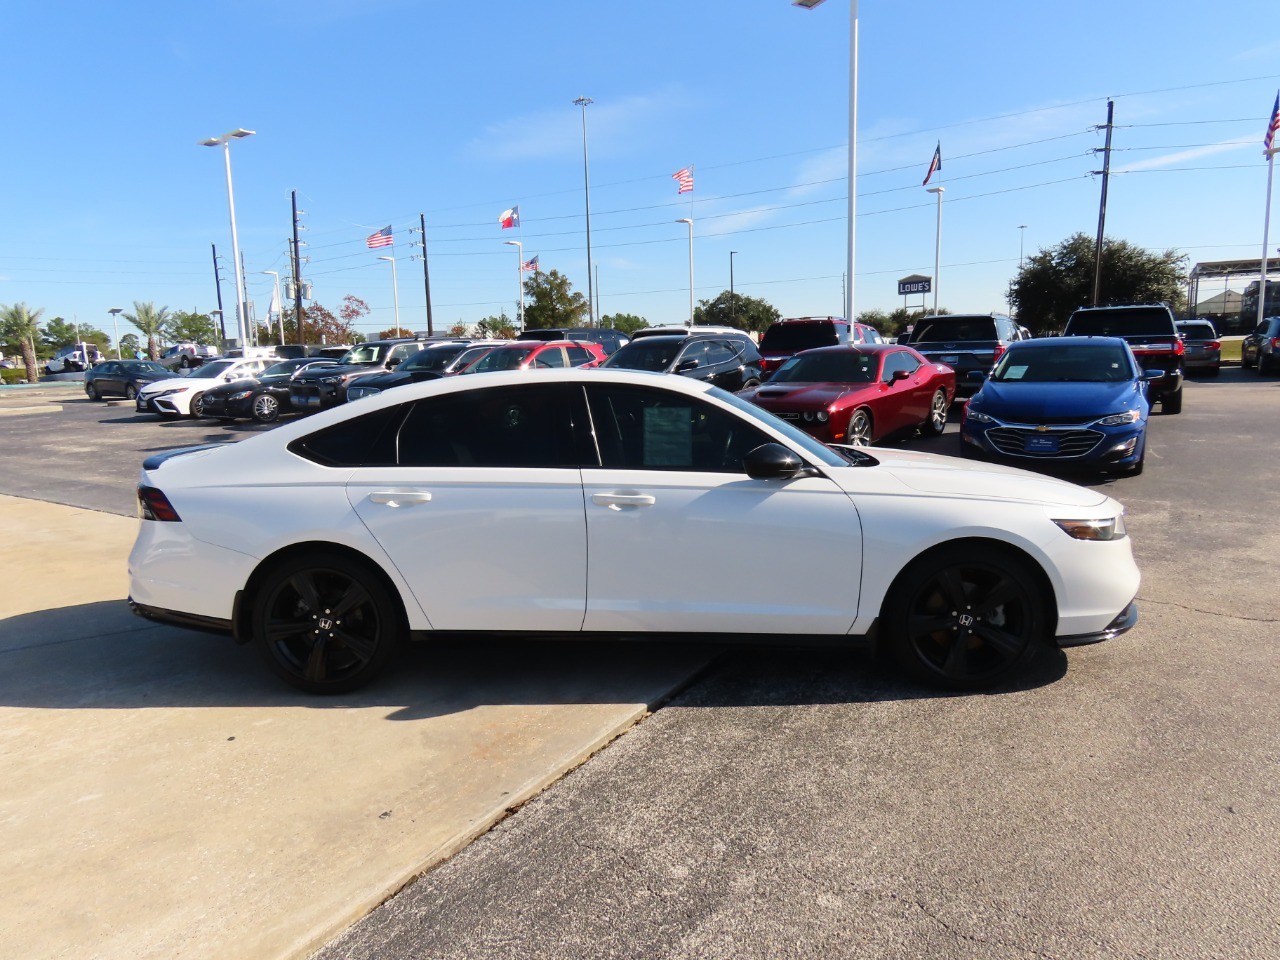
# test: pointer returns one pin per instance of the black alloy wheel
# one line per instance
(964, 618)
(266, 408)
(92, 390)
(130, 392)
(197, 406)
(326, 624)
(859, 432)
(938, 409)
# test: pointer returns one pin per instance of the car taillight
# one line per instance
(1000, 348)
(1214, 345)
(1179, 348)
(1275, 343)
(154, 505)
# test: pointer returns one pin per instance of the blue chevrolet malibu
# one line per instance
(1062, 401)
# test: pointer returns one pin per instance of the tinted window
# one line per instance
(521, 426)
(647, 353)
(367, 441)
(1086, 363)
(1122, 322)
(851, 367)
(640, 429)
(954, 329)
(501, 358)
(899, 361)
(433, 358)
(578, 356)
(800, 336)
(1198, 331)
(718, 351)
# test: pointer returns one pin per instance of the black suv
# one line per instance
(429, 363)
(1152, 334)
(610, 340)
(326, 387)
(727, 360)
(1261, 348)
(965, 342)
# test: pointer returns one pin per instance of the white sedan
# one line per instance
(614, 504)
(182, 396)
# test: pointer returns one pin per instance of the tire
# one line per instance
(937, 419)
(130, 392)
(925, 611)
(750, 384)
(92, 391)
(1244, 360)
(185, 362)
(1264, 365)
(1172, 402)
(266, 408)
(197, 406)
(1215, 371)
(289, 614)
(860, 428)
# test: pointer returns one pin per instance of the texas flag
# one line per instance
(934, 165)
(509, 218)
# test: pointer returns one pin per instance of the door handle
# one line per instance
(617, 501)
(393, 499)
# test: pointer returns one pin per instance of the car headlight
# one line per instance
(338, 379)
(977, 416)
(1118, 419)
(1112, 528)
(169, 392)
(241, 395)
(821, 416)
(359, 393)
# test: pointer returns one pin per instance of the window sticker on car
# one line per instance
(668, 437)
(1015, 373)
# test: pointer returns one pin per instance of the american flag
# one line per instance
(509, 218)
(530, 265)
(1273, 126)
(934, 165)
(382, 238)
(685, 179)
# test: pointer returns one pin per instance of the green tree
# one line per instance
(552, 302)
(59, 332)
(1054, 282)
(628, 323)
(896, 322)
(153, 323)
(735, 310)
(21, 326)
(129, 345)
(194, 327)
(500, 327)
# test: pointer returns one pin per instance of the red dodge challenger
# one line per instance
(859, 394)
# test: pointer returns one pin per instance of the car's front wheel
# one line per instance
(197, 406)
(266, 408)
(91, 389)
(860, 428)
(326, 623)
(964, 617)
(130, 392)
(937, 420)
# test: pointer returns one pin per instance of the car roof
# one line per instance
(1050, 343)
(857, 348)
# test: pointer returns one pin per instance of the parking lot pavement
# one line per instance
(165, 797)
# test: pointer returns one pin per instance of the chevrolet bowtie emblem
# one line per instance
(1041, 429)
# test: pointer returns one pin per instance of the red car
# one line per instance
(537, 355)
(859, 394)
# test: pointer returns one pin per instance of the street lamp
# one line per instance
(586, 190)
(519, 277)
(115, 325)
(1022, 234)
(689, 221)
(395, 290)
(224, 141)
(937, 246)
(853, 137)
(731, 309)
(277, 303)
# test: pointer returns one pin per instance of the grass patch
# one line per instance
(16, 375)
(1230, 348)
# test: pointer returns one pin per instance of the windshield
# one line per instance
(652, 353)
(1134, 322)
(799, 336)
(952, 330)
(433, 358)
(819, 451)
(285, 368)
(1082, 363)
(211, 371)
(1198, 331)
(365, 354)
(146, 366)
(503, 358)
(844, 367)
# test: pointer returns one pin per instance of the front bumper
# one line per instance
(164, 405)
(1083, 445)
(1125, 621)
(308, 397)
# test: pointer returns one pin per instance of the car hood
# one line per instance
(169, 383)
(1056, 402)
(791, 395)
(394, 378)
(235, 386)
(931, 473)
(340, 370)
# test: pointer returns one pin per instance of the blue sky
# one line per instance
(378, 110)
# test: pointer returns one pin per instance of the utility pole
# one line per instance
(217, 282)
(426, 274)
(250, 334)
(297, 272)
(1102, 207)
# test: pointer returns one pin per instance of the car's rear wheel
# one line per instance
(964, 618)
(1172, 402)
(860, 427)
(130, 392)
(1264, 367)
(266, 408)
(197, 406)
(325, 623)
(937, 420)
(185, 362)
(91, 389)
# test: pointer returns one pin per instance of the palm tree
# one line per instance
(152, 322)
(23, 325)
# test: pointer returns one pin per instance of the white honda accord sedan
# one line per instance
(603, 503)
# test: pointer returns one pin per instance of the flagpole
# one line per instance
(1266, 227)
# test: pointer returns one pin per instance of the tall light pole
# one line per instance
(395, 289)
(586, 190)
(689, 221)
(115, 325)
(732, 313)
(277, 302)
(519, 278)
(1022, 235)
(224, 141)
(853, 140)
(937, 247)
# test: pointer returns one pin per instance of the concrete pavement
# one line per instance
(165, 797)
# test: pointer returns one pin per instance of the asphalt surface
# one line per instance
(1122, 800)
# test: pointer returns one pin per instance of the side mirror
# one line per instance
(772, 461)
(1149, 375)
(395, 362)
(898, 376)
(976, 375)
(684, 365)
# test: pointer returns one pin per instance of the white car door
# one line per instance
(680, 539)
(479, 505)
